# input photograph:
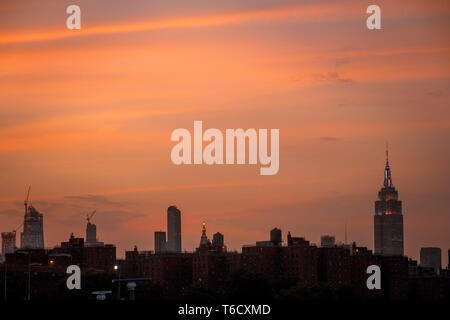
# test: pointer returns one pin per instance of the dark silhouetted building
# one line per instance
(334, 266)
(218, 241)
(100, 258)
(8, 243)
(360, 259)
(275, 239)
(327, 241)
(431, 258)
(275, 236)
(23, 257)
(171, 270)
(211, 264)
(300, 260)
(394, 277)
(264, 259)
(388, 219)
(160, 242)
(173, 229)
(212, 267)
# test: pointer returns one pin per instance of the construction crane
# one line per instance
(89, 216)
(18, 227)
(26, 200)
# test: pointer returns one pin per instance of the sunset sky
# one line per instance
(86, 117)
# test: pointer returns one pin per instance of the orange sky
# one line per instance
(86, 116)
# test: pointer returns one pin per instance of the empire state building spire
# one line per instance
(388, 219)
(387, 171)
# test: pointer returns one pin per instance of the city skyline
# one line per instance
(386, 207)
(387, 183)
(86, 117)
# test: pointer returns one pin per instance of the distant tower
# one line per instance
(388, 219)
(32, 236)
(160, 241)
(91, 233)
(275, 236)
(173, 229)
(204, 239)
(431, 258)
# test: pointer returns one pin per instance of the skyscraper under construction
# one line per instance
(388, 220)
(32, 236)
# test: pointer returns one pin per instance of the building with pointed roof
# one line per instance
(388, 219)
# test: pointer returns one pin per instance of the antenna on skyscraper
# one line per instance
(387, 152)
(345, 241)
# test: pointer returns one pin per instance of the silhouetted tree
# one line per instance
(198, 292)
(244, 285)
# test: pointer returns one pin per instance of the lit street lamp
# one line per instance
(117, 268)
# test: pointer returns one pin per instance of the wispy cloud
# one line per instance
(94, 199)
(307, 12)
(332, 77)
(330, 139)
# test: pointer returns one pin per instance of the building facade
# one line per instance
(32, 236)
(91, 233)
(388, 219)
(218, 241)
(8, 243)
(431, 258)
(100, 258)
(327, 241)
(160, 242)
(173, 229)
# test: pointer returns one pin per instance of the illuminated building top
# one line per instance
(388, 202)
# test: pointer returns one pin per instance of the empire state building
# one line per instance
(388, 219)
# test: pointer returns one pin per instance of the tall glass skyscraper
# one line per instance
(173, 229)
